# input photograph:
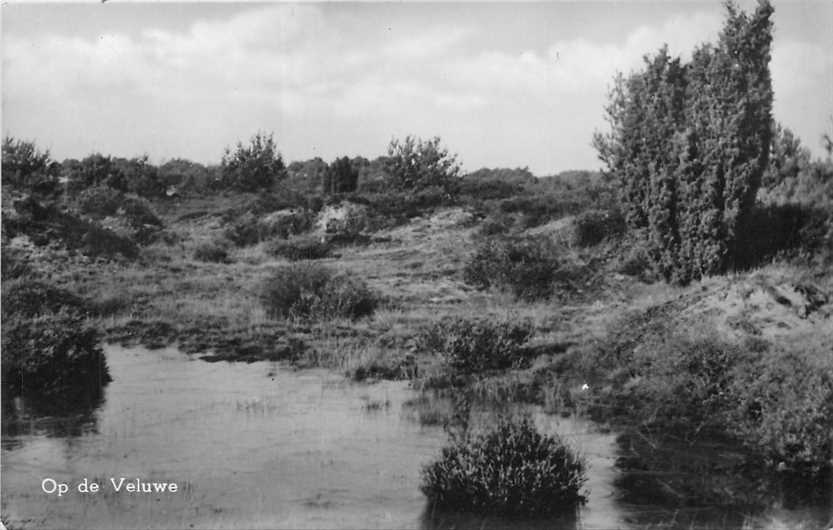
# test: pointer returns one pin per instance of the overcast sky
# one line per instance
(504, 84)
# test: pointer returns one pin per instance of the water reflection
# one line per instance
(260, 446)
(431, 520)
(64, 418)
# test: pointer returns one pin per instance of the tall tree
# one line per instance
(689, 144)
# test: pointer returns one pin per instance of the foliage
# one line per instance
(527, 267)
(509, 470)
(46, 223)
(186, 175)
(795, 231)
(415, 164)
(99, 201)
(25, 166)
(341, 177)
(52, 356)
(14, 265)
(689, 144)
(594, 226)
(471, 346)
(253, 167)
(299, 248)
(784, 408)
(308, 176)
(774, 400)
(313, 291)
(490, 184)
(250, 229)
(215, 251)
(135, 175)
(28, 298)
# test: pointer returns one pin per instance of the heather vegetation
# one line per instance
(682, 296)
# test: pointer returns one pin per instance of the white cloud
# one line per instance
(314, 80)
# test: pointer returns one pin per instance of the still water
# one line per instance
(263, 446)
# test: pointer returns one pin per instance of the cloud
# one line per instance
(320, 78)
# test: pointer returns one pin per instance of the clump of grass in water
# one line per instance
(509, 470)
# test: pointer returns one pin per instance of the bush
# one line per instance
(212, 252)
(250, 229)
(299, 249)
(340, 177)
(139, 213)
(509, 470)
(773, 401)
(313, 291)
(415, 164)
(13, 264)
(792, 230)
(99, 201)
(594, 226)
(30, 298)
(253, 167)
(690, 144)
(53, 356)
(25, 166)
(46, 223)
(471, 346)
(527, 267)
(784, 409)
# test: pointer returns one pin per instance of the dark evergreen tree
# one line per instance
(341, 177)
(689, 144)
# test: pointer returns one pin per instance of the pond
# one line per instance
(261, 445)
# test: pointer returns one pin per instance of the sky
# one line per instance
(503, 84)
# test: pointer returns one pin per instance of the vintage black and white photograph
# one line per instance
(418, 266)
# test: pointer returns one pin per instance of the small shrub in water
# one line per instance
(470, 346)
(509, 470)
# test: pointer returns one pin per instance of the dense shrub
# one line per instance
(25, 166)
(28, 298)
(47, 224)
(415, 164)
(253, 167)
(497, 224)
(250, 229)
(791, 230)
(313, 291)
(783, 407)
(212, 251)
(690, 143)
(99, 201)
(470, 346)
(139, 213)
(774, 401)
(340, 177)
(509, 470)
(14, 265)
(527, 267)
(296, 249)
(594, 226)
(52, 356)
